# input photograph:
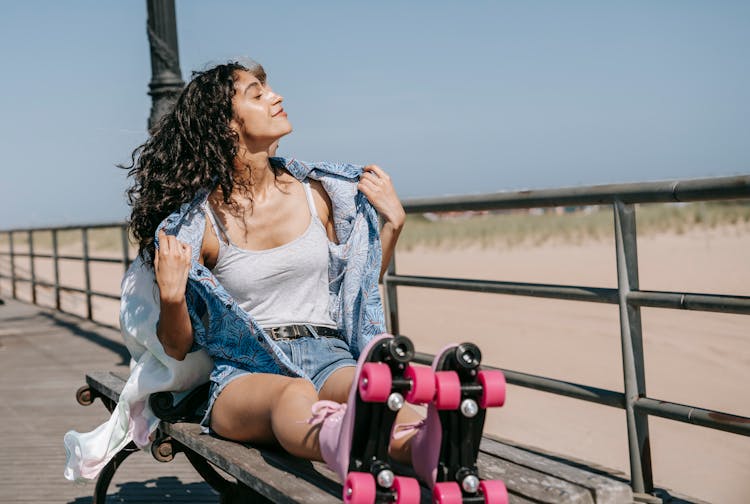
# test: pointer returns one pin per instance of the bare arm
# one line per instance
(377, 186)
(171, 266)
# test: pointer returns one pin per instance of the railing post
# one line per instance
(632, 348)
(12, 266)
(86, 271)
(391, 300)
(56, 267)
(125, 246)
(31, 266)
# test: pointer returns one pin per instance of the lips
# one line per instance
(280, 112)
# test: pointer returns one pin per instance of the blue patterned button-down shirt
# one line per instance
(232, 336)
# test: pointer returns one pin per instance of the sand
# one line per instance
(695, 358)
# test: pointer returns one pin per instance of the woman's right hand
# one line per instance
(171, 267)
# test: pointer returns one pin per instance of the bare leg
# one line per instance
(264, 408)
(337, 387)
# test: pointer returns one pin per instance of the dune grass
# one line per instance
(512, 229)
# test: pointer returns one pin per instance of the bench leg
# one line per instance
(105, 477)
(230, 492)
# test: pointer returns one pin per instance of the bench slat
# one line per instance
(258, 469)
(605, 490)
(526, 482)
(106, 383)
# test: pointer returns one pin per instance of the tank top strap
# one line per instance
(221, 232)
(310, 201)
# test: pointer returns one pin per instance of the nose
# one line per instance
(275, 97)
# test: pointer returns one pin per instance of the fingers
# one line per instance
(169, 245)
(377, 171)
(367, 186)
(375, 174)
(163, 241)
(373, 180)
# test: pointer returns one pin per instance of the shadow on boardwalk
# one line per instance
(74, 328)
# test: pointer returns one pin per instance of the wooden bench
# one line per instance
(267, 475)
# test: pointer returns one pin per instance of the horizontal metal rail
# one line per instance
(41, 283)
(541, 383)
(718, 188)
(680, 412)
(694, 415)
(114, 260)
(573, 293)
(655, 299)
(72, 227)
(688, 301)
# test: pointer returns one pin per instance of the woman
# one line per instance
(268, 239)
(271, 268)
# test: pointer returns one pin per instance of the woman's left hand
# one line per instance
(376, 185)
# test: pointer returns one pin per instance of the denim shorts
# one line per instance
(318, 357)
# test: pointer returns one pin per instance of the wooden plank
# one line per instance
(58, 350)
(279, 477)
(106, 383)
(604, 490)
(534, 485)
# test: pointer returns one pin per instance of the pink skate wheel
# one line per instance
(494, 492)
(407, 490)
(493, 388)
(359, 488)
(375, 382)
(422, 384)
(447, 390)
(447, 493)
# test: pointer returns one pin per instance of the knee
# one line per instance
(299, 388)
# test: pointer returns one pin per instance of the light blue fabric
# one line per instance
(231, 335)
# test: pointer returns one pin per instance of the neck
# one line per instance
(253, 173)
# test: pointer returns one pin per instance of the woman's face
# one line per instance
(259, 118)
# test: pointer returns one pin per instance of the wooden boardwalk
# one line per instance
(44, 356)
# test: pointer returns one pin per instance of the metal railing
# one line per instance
(622, 197)
(56, 257)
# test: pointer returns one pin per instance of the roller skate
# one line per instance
(354, 437)
(446, 444)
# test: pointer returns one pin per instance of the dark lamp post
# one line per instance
(166, 77)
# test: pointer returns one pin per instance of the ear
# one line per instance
(235, 126)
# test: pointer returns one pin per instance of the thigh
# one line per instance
(242, 411)
(337, 386)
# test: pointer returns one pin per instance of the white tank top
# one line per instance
(283, 285)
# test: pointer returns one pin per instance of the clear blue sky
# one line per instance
(449, 97)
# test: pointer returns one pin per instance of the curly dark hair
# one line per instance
(192, 148)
